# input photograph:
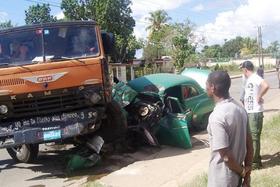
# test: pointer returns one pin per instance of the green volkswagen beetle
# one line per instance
(166, 106)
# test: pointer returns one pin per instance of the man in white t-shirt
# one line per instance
(229, 136)
(255, 88)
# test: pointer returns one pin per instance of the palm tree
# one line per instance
(157, 20)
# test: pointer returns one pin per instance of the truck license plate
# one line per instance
(52, 135)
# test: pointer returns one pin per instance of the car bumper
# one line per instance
(48, 128)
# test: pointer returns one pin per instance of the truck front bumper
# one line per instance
(48, 128)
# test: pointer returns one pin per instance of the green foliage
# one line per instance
(157, 20)
(39, 14)
(274, 48)
(232, 47)
(93, 184)
(112, 16)
(249, 46)
(133, 45)
(158, 30)
(229, 68)
(270, 135)
(238, 47)
(174, 40)
(183, 51)
(6, 24)
(199, 181)
(214, 51)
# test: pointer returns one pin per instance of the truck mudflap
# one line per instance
(48, 128)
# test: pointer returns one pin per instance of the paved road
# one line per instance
(147, 167)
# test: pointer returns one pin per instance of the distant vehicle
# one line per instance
(55, 87)
(173, 104)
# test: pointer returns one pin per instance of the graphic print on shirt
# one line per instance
(250, 98)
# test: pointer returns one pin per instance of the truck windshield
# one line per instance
(32, 46)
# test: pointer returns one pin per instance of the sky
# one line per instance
(216, 20)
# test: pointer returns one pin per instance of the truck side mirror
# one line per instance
(108, 41)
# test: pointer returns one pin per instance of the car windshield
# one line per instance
(32, 46)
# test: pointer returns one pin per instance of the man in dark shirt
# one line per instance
(260, 71)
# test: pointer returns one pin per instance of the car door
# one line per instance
(196, 101)
(174, 129)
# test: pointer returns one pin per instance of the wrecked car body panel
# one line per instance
(184, 104)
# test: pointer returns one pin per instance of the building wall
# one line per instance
(255, 61)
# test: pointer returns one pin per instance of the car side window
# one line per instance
(189, 92)
(174, 92)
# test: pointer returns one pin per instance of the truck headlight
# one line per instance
(143, 111)
(3, 109)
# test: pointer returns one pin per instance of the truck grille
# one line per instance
(48, 105)
(11, 82)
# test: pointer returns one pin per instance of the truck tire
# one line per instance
(115, 125)
(25, 153)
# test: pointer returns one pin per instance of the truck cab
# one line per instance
(54, 86)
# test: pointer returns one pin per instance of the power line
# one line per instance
(53, 4)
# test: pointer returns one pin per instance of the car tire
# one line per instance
(25, 153)
(115, 125)
(203, 123)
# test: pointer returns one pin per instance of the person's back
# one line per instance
(231, 118)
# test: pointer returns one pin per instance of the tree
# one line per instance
(274, 48)
(158, 31)
(213, 51)
(133, 45)
(6, 24)
(39, 14)
(250, 46)
(157, 20)
(113, 16)
(183, 48)
(232, 48)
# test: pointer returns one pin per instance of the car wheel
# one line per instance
(25, 153)
(115, 125)
(203, 124)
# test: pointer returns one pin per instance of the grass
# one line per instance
(93, 184)
(199, 181)
(269, 175)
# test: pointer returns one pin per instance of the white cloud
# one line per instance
(198, 8)
(141, 9)
(60, 15)
(3, 16)
(244, 21)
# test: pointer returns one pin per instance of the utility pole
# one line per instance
(260, 49)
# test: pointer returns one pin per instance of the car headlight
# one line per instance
(143, 111)
(3, 109)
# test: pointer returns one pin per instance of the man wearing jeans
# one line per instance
(255, 88)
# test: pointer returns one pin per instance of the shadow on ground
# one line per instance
(52, 161)
(271, 160)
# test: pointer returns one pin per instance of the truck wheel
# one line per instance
(25, 153)
(114, 126)
(203, 124)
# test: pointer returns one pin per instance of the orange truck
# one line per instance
(55, 87)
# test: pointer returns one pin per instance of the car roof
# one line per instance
(199, 75)
(160, 82)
